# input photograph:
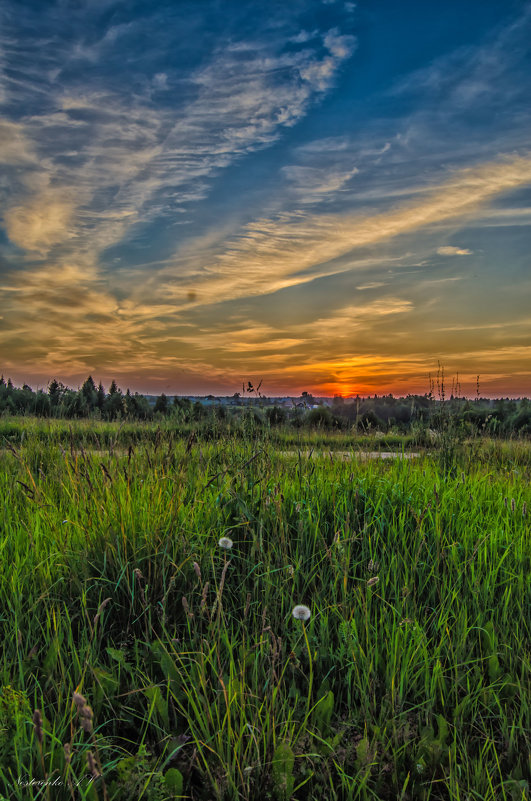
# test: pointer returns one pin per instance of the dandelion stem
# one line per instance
(310, 663)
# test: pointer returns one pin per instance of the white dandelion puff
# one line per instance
(301, 612)
(226, 543)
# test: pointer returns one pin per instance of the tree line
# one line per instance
(61, 401)
(378, 413)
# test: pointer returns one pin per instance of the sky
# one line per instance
(323, 195)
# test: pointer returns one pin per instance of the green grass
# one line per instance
(103, 434)
(410, 680)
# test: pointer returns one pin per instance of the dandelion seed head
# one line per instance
(226, 543)
(301, 612)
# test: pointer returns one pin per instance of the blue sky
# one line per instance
(331, 196)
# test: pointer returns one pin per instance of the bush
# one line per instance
(275, 415)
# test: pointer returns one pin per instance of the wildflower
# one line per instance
(226, 543)
(301, 612)
(372, 581)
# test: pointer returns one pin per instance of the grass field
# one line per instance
(142, 660)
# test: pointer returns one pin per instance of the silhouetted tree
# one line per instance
(56, 391)
(100, 397)
(161, 404)
(114, 402)
(90, 393)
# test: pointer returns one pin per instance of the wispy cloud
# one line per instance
(106, 138)
(272, 254)
(136, 160)
(451, 250)
(87, 162)
(312, 184)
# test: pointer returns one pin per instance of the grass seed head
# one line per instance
(85, 719)
(186, 606)
(372, 581)
(84, 712)
(204, 594)
(101, 607)
(37, 725)
(91, 764)
(301, 612)
(79, 700)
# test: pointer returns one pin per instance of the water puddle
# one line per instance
(346, 456)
